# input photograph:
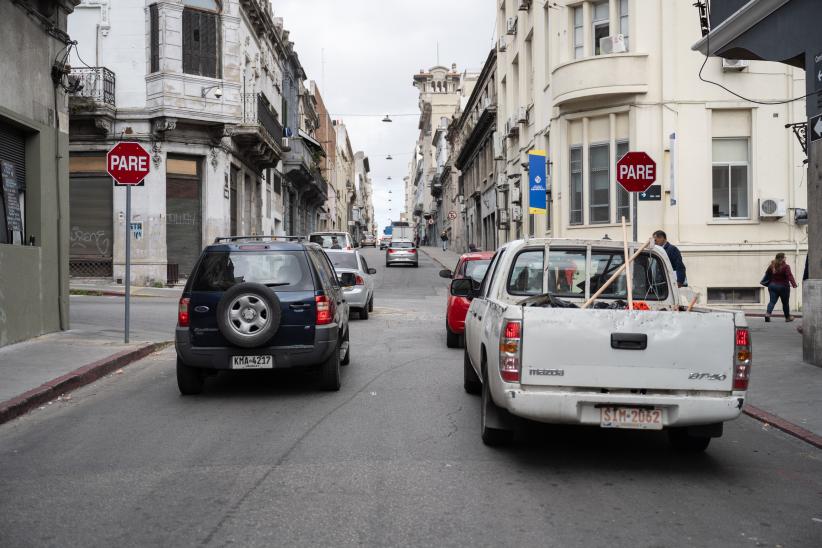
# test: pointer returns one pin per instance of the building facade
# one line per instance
(206, 100)
(477, 149)
(34, 210)
(587, 81)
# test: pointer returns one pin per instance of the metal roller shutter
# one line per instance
(13, 149)
(183, 222)
(91, 234)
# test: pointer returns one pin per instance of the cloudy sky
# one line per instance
(372, 49)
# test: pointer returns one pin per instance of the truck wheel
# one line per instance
(347, 358)
(452, 340)
(682, 441)
(189, 379)
(330, 372)
(492, 436)
(471, 381)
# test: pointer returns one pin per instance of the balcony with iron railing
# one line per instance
(91, 88)
(259, 134)
(301, 164)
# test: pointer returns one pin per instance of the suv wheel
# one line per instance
(330, 372)
(189, 379)
(248, 314)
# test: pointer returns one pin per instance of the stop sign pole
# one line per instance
(636, 171)
(128, 164)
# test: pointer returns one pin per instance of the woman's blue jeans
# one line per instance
(778, 291)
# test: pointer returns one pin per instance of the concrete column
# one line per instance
(812, 288)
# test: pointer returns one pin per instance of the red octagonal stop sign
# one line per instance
(636, 171)
(128, 163)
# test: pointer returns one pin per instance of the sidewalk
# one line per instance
(112, 289)
(39, 370)
(785, 391)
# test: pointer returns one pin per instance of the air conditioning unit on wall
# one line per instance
(516, 213)
(511, 25)
(503, 44)
(734, 65)
(613, 44)
(772, 208)
(516, 195)
(523, 115)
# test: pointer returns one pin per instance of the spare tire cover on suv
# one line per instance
(248, 314)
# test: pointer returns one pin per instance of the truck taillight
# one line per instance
(183, 318)
(325, 310)
(742, 358)
(509, 351)
(359, 280)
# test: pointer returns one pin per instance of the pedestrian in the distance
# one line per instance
(779, 280)
(444, 239)
(661, 239)
(472, 248)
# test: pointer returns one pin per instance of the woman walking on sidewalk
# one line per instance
(779, 280)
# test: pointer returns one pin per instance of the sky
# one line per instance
(371, 49)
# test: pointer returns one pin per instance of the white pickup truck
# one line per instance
(534, 353)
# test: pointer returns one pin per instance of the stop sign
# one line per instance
(128, 163)
(636, 171)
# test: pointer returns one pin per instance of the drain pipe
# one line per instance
(61, 308)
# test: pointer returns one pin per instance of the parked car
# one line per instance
(470, 265)
(534, 354)
(332, 240)
(356, 280)
(401, 252)
(261, 303)
(385, 241)
(369, 240)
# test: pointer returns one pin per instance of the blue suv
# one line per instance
(261, 303)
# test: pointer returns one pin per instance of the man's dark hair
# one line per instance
(661, 234)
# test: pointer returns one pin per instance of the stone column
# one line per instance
(812, 288)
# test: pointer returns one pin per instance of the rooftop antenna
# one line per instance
(438, 53)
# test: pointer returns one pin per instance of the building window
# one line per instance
(579, 50)
(730, 179)
(734, 295)
(154, 24)
(201, 44)
(600, 183)
(12, 184)
(623, 196)
(576, 185)
(601, 24)
(623, 21)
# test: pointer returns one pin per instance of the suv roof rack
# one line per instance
(259, 239)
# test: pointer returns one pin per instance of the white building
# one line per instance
(589, 80)
(199, 83)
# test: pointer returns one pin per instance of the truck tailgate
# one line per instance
(617, 349)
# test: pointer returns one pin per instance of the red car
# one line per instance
(470, 265)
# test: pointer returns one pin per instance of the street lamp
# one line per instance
(389, 157)
(218, 91)
(387, 119)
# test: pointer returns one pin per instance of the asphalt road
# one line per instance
(394, 458)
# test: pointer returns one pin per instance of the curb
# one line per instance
(788, 427)
(22, 404)
(434, 259)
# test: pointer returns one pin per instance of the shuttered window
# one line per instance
(201, 43)
(155, 37)
(12, 150)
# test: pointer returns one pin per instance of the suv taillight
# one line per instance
(509, 351)
(325, 310)
(742, 358)
(359, 280)
(182, 312)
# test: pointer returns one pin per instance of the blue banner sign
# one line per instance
(537, 183)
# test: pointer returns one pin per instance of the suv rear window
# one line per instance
(343, 260)
(330, 241)
(402, 245)
(284, 270)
